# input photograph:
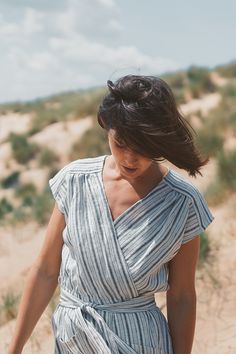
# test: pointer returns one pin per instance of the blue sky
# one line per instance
(58, 45)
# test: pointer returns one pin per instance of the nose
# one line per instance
(130, 158)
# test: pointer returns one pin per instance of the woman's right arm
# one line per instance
(41, 283)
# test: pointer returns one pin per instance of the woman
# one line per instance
(123, 228)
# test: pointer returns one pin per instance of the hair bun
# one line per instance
(112, 88)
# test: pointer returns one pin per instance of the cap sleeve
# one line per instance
(199, 217)
(59, 188)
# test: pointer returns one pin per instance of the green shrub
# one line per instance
(5, 207)
(176, 80)
(232, 119)
(34, 206)
(178, 83)
(47, 157)
(204, 248)
(89, 101)
(23, 151)
(42, 118)
(8, 307)
(200, 81)
(227, 70)
(52, 172)
(226, 162)
(19, 215)
(15, 107)
(216, 192)
(42, 206)
(65, 106)
(209, 141)
(11, 181)
(195, 80)
(180, 96)
(221, 118)
(228, 91)
(27, 192)
(93, 143)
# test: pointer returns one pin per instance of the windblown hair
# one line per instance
(143, 112)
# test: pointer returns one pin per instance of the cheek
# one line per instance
(145, 164)
(114, 150)
(118, 153)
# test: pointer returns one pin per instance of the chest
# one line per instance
(122, 196)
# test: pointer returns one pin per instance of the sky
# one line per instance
(54, 46)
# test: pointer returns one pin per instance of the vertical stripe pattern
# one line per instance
(111, 269)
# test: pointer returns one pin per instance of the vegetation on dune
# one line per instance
(22, 150)
(227, 70)
(58, 108)
(191, 83)
(47, 157)
(194, 82)
(11, 180)
(199, 81)
(92, 143)
(26, 193)
(218, 122)
(209, 141)
(8, 306)
(5, 207)
(226, 163)
(224, 183)
(204, 249)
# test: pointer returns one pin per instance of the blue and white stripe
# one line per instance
(111, 269)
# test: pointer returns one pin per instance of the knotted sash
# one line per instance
(93, 338)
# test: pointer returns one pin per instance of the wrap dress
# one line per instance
(110, 270)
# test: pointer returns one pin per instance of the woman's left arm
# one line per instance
(181, 296)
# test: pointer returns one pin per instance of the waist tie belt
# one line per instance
(138, 304)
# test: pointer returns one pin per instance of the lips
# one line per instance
(130, 168)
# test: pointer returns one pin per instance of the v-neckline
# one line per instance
(134, 204)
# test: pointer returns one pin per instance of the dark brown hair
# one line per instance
(143, 112)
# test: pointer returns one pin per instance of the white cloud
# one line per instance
(45, 53)
(115, 25)
(8, 29)
(108, 3)
(32, 22)
(78, 48)
(42, 61)
(89, 18)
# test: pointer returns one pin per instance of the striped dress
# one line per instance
(110, 269)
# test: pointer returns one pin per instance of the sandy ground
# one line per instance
(215, 283)
(218, 80)
(204, 104)
(59, 137)
(14, 123)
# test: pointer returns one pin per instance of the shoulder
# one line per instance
(82, 165)
(197, 204)
(183, 186)
(199, 216)
(65, 177)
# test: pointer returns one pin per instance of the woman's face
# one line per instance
(128, 162)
